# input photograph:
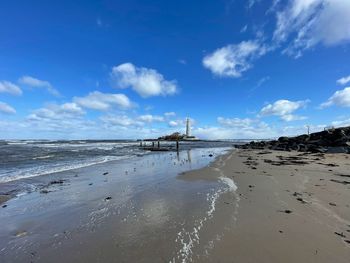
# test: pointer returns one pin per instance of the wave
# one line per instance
(45, 170)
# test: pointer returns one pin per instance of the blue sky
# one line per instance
(136, 69)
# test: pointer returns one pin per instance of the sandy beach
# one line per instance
(246, 206)
(290, 207)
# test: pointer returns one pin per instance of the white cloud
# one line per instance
(57, 112)
(244, 29)
(150, 118)
(251, 3)
(103, 101)
(235, 122)
(37, 83)
(233, 60)
(7, 109)
(284, 109)
(306, 23)
(121, 120)
(173, 123)
(170, 114)
(146, 82)
(262, 81)
(341, 123)
(236, 128)
(339, 98)
(10, 88)
(344, 80)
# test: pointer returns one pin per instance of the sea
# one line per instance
(21, 159)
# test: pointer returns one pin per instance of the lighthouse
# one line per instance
(188, 128)
(188, 136)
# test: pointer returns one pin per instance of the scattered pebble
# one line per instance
(280, 231)
(332, 204)
(340, 234)
(301, 200)
(4, 206)
(21, 233)
(105, 173)
(108, 198)
(90, 183)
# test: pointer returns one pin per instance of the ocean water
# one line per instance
(29, 158)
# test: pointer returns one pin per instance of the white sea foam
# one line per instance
(188, 239)
(44, 170)
(230, 183)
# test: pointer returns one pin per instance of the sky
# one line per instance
(136, 69)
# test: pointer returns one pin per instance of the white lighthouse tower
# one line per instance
(188, 135)
(188, 127)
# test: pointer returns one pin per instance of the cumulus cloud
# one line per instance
(121, 120)
(37, 83)
(284, 109)
(170, 114)
(146, 82)
(57, 112)
(173, 123)
(103, 101)
(306, 23)
(151, 118)
(10, 88)
(339, 98)
(236, 128)
(235, 122)
(233, 60)
(344, 80)
(7, 109)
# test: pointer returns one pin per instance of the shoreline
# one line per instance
(242, 205)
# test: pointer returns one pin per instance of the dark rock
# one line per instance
(105, 173)
(4, 206)
(287, 211)
(301, 200)
(210, 155)
(340, 182)
(331, 140)
(57, 182)
(332, 204)
(340, 234)
(108, 198)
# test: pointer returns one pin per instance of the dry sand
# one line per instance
(291, 207)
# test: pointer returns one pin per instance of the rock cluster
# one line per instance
(327, 141)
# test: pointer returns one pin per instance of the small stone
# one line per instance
(108, 198)
(340, 234)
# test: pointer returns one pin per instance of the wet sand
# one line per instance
(292, 207)
(247, 206)
(135, 210)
